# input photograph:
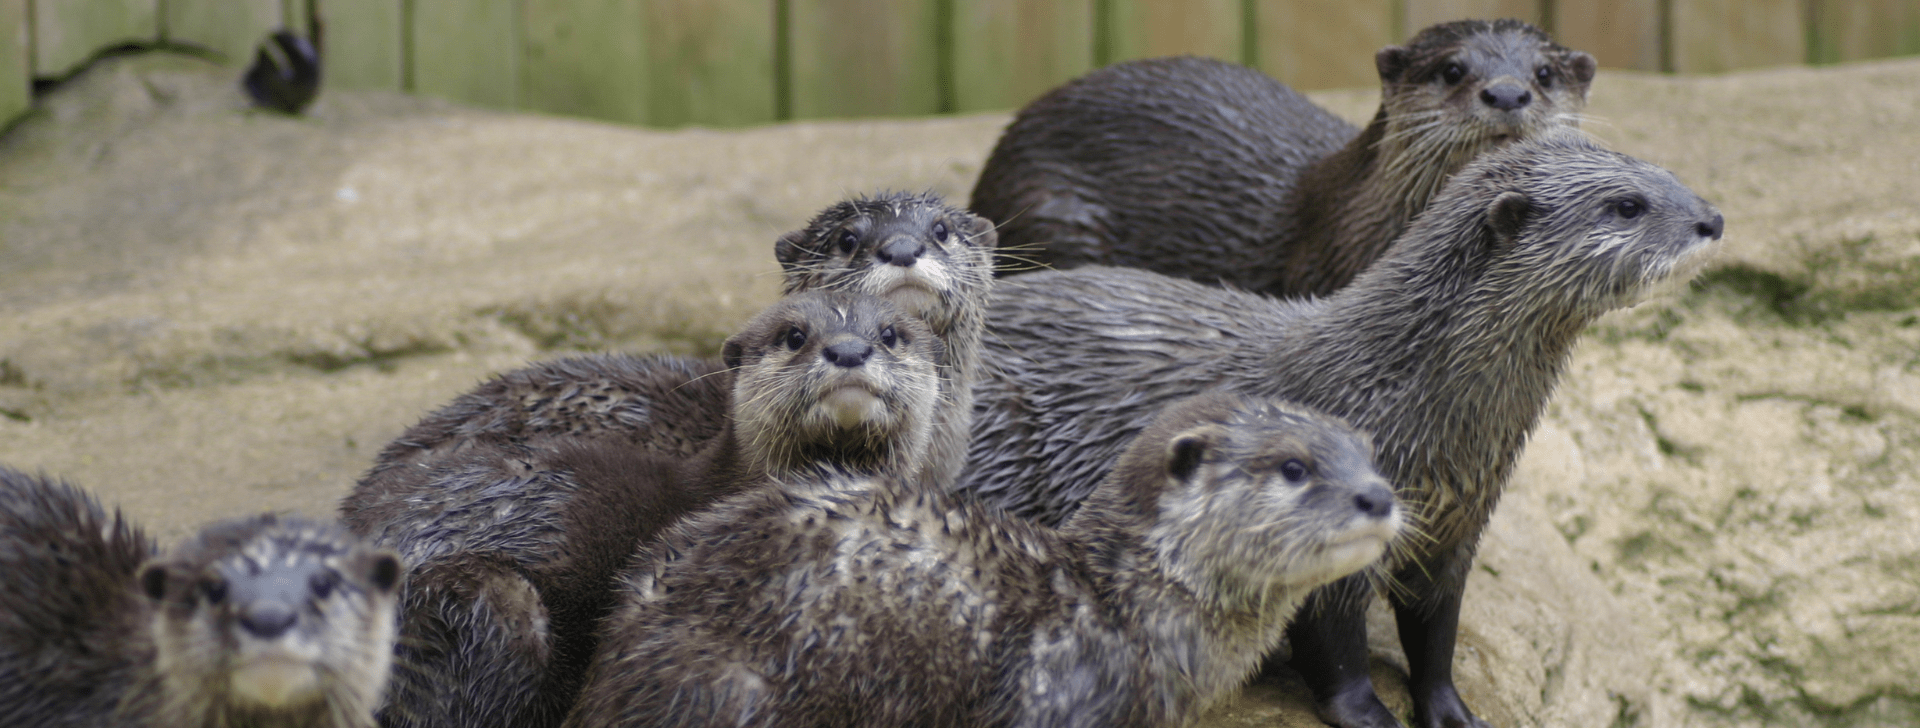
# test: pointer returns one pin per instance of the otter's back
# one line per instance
(68, 608)
(1178, 165)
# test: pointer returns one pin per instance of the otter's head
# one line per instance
(931, 260)
(831, 377)
(1563, 230)
(1458, 89)
(1248, 495)
(273, 620)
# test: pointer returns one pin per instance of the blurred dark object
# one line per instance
(285, 74)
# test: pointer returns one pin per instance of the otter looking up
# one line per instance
(1446, 350)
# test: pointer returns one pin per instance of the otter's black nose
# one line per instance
(848, 353)
(1711, 228)
(1376, 502)
(901, 251)
(1505, 97)
(267, 620)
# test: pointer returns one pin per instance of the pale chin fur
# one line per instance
(1673, 282)
(275, 681)
(850, 406)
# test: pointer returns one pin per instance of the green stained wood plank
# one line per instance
(863, 58)
(709, 62)
(1316, 44)
(1710, 36)
(467, 50)
(1852, 30)
(16, 66)
(1007, 52)
(363, 44)
(1620, 34)
(584, 58)
(1147, 28)
(1422, 13)
(68, 32)
(231, 28)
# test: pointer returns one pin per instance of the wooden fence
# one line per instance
(733, 62)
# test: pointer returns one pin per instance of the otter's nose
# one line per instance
(267, 620)
(1505, 97)
(1711, 228)
(901, 251)
(847, 353)
(1375, 502)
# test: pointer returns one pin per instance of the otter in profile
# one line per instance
(1218, 173)
(268, 621)
(517, 542)
(860, 601)
(1446, 350)
(930, 259)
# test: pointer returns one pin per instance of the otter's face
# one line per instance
(266, 617)
(1469, 86)
(931, 260)
(1272, 494)
(831, 376)
(1589, 230)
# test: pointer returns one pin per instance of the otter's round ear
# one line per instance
(1508, 213)
(1581, 66)
(383, 570)
(1187, 451)
(981, 231)
(732, 352)
(1392, 62)
(153, 581)
(787, 249)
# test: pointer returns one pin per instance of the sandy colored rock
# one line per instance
(207, 311)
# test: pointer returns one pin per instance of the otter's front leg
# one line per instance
(1329, 641)
(1427, 612)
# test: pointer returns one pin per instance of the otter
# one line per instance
(270, 620)
(864, 601)
(931, 259)
(1446, 350)
(517, 541)
(1216, 172)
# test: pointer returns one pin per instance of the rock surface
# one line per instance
(207, 311)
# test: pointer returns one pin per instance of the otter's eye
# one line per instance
(940, 231)
(1544, 75)
(796, 338)
(1293, 470)
(1629, 208)
(848, 239)
(888, 338)
(213, 590)
(322, 584)
(1453, 73)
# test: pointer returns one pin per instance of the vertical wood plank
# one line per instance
(1620, 34)
(864, 58)
(363, 44)
(1007, 52)
(1852, 30)
(1422, 13)
(16, 67)
(709, 62)
(68, 32)
(1710, 36)
(1147, 28)
(1316, 44)
(584, 58)
(230, 28)
(466, 50)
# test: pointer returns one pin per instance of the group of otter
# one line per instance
(912, 494)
